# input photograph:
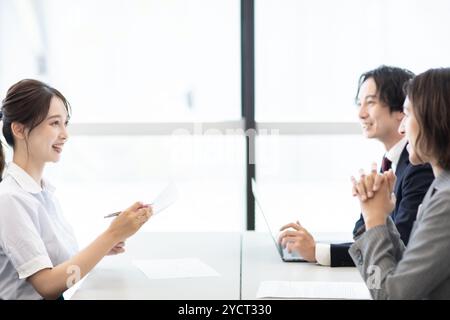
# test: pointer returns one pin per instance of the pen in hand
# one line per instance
(115, 214)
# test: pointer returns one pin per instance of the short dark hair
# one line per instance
(429, 94)
(390, 82)
(26, 102)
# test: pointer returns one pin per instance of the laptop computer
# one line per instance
(283, 252)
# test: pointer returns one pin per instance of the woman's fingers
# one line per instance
(354, 186)
(116, 250)
(121, 244)
(393, 198)
(119, 250)
(143, 214)
(135, 207)
(150, 210)
(373, 168)
(360, 186)
(369, 185)
(377, 182)
(391, 180)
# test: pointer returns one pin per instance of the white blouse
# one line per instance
(33, 233)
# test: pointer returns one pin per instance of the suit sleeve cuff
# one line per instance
(323, 255)
(371, 240)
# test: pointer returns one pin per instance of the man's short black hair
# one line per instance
(389, 81)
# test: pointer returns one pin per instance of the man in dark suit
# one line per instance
(379, 98)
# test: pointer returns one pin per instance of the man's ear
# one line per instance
(18, 130)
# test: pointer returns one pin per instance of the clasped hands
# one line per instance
(377, 200)
(375, 193)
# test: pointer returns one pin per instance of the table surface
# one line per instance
(261, 262)
(117, 278)
(243, 261)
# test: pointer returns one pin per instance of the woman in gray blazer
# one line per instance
(421, 270)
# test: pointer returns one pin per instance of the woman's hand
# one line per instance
(117, 249)
(371, 183)
(129, 221)
(381, 202)
(366, 190)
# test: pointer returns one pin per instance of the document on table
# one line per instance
(313, 290)
(165, 199)
(175, 268)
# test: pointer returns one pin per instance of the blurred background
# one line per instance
(138, 71)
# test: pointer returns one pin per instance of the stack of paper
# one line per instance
(313, 290)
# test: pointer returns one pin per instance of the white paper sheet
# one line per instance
(165, 199)
(175, 268)
(313, 290)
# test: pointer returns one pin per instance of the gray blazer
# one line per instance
(420, 271)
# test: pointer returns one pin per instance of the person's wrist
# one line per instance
(310, 254)
(313, 257)
(374, 222)
(111, 236)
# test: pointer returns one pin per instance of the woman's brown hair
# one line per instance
(429, 94)
(26, 102)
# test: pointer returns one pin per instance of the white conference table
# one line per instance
(261, 262)
(243, 260)
(117, 278)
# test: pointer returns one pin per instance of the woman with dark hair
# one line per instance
(422, 269)
(38, 251)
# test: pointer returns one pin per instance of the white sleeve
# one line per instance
(323, 254)
(19, 237)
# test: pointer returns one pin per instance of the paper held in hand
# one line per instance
(165, 199)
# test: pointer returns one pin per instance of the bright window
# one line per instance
(309, 53)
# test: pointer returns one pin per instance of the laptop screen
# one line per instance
(284, 254)
(266, 221)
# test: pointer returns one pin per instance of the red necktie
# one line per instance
(386, 164)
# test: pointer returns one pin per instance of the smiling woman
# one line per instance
(42, 130)
(38, 250)
(18, 118)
